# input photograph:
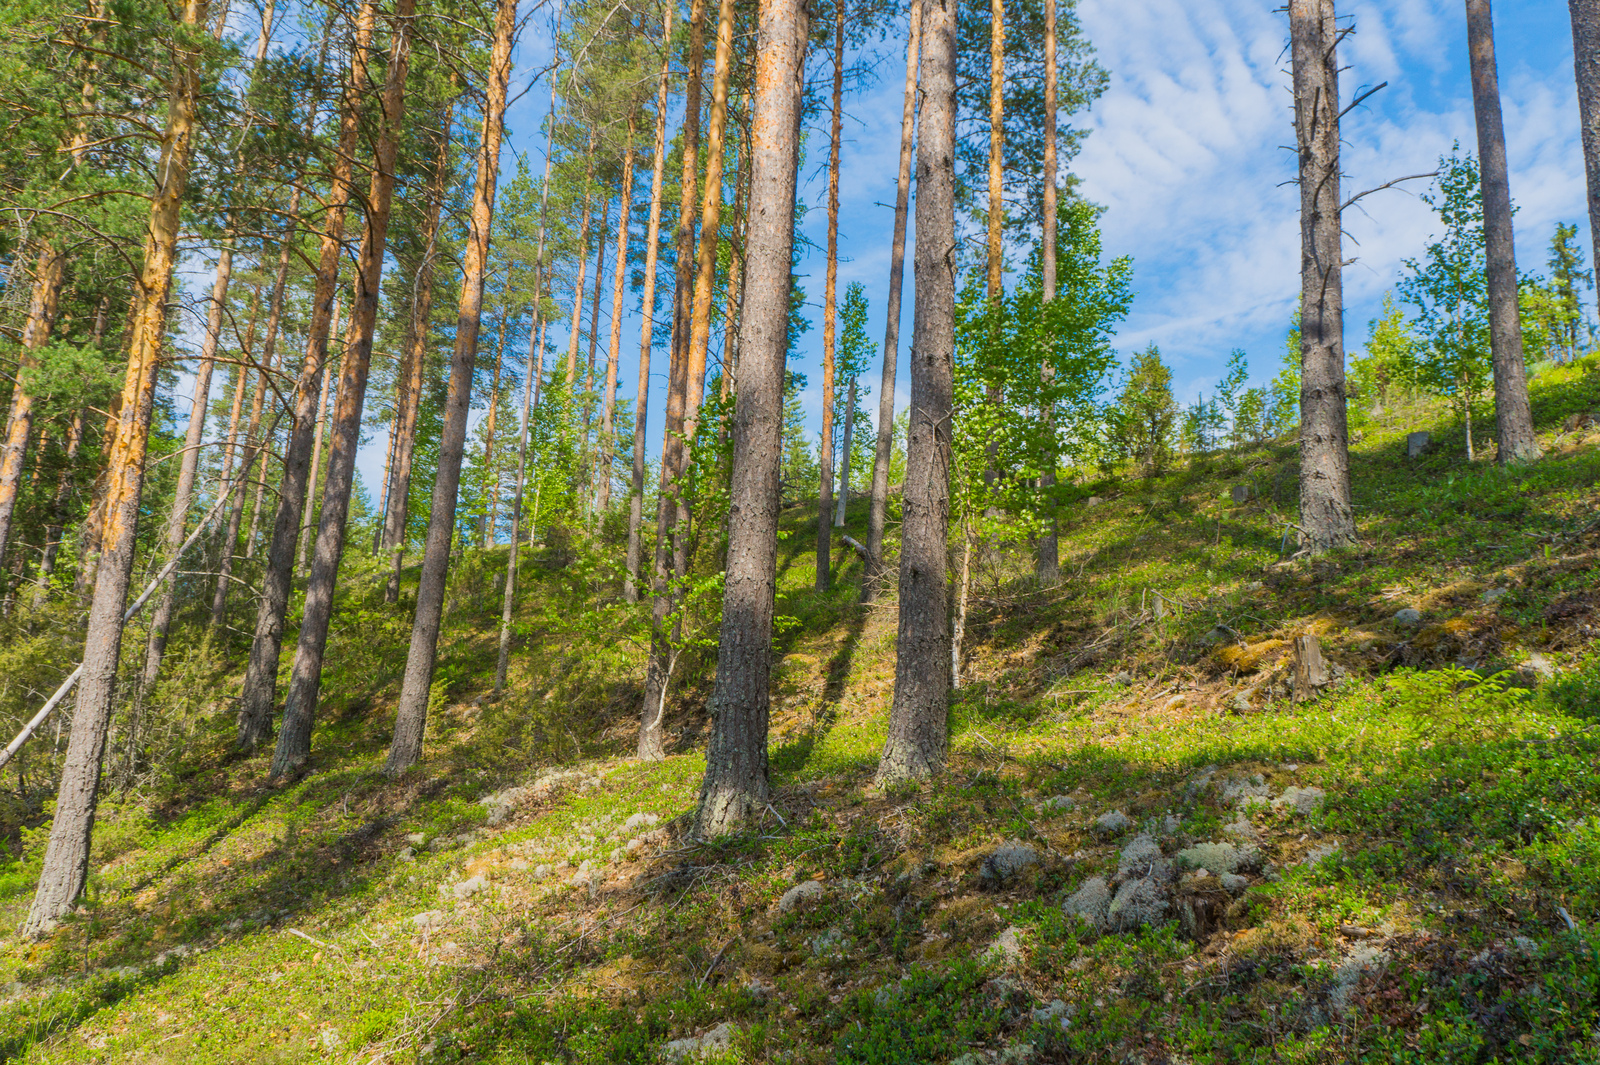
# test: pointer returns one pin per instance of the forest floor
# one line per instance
(1142, 851)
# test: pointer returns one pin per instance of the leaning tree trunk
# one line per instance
(1513, 417)
(43, 303)
(1327, 520)
(411, 716)
(1586, 68)
(305, 680)
(736, 784)
(918, 721)
(394, 530)
(66, 859)
(261, 676)
(824, 578)
(183, 494)
(874, 572)
(647, 318)
(652, 745)
(583, 262)
(614, 352)
(1047, 560)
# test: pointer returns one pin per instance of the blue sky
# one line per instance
(1186, 153)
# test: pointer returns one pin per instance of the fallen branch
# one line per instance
(855, 545)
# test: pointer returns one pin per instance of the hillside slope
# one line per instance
(1143, 850)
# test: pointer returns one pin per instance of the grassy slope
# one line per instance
(228, 923)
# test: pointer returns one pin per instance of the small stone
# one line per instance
(428, 920)
(1092, 502)
(1234, 884)
(1008, 860)
(801, 896)
(1494, 595)
(416, 839)
(1305, 801)
(1409, 618)
(1120, 680)
(1005, 950)
(1317, 854)
(1242, 493)
(1171, 823)
(540, 872)
(1113, 823)
(1416, 444)
(719, 1038)
(638, 821)
(1221, 634)
(404, 854)
(1090, 902)
(1059, 802)
(469, 887)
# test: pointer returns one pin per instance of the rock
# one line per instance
(416, 839)
(540, 872)
(1092, 502)
(757, 990)
(1090, 902)
(428, 920)
(1221, 634)
(1494, 595)
(1304, 801)
(1007, 861)
(1358, 963)
(1120, 680)
(1219, 857)
(404, 854)
(1409, 618)
(1111, 824)
(1142, 858)
(1234, 884)
(719, 1038)
(1416, 444)
(1138, 902)
(1242, 493)
(638, 821)
(801, 896)
(1171, 823)
(469, 887)
(1005, 950)
(1059, 802)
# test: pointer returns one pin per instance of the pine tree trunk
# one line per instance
(652, 242)
(614, 354)
(594, 339)
(44, 301)
(583, 262)
(530, 382)
(489, 467)
(411, 716)
(918, 721)
(234, 452)
(829, 293)
(651, 742)
(1327, 520)
(874, 572)
(58, 508)
(419, 330)
(844, 459)
(736, 782)
(294, 740)
(183, 494)
(1586, 69)
(1513, 416)
(66, 860)
(269, 359)
(1047, 561)
(734, 294)
(995, 247)
(252, 446)
(307, 517)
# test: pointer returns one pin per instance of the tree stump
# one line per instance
(1310, 669)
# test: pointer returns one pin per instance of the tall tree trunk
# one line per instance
(394, 529)
(995, 251)
(656, 675)
(234, 454)
(1327, 520)
(303, 553)
(1047, 560)
(1513, 416)
(874, 572)
(647, 321)
(829, 291)
(260, 691)
(583, 262)
(594, 338)
(918, 722)
(43, 303)
(269, 359)
(411, 716)
(843, 502)
(734, 293)
(1586, 69)
(183, 495)
(614, 354)
(294, 740)
(508, 598)
(58, 508)
(252, 447)
(66, 859)
(736, 783)
(490, 470)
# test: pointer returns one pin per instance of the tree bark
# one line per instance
(252, 446)
(736, 783)
(651, 742)
(66, 860)
(234, 453)
(307, 517)
(824, 579)
(1586, 70)
(874, 573)
(594, 339)
(734, 292)
(269, 359)
(1327, 520)
(394, 530)
(490, 469)
(305, 680)
(183, 494)
(1047, 560)
(844, 459)
(43, 303)
(58, 508)
(652, 241)
(614, 352)
(997, 144)
(583, 262)
(918, 721)
(411, 716)
(1513, 416)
